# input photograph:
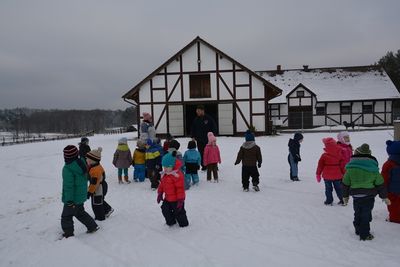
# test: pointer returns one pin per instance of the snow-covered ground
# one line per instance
(285, 224)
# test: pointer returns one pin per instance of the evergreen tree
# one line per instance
(391, 64)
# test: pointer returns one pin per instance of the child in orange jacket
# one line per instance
(173, 186)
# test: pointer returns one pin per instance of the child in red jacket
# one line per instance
(391, 176)
(212, 157)
(173, 185)
(331, 168)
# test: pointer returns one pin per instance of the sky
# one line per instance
(85, 54)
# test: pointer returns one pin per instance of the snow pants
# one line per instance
(329, 185)
(172, 215)
(139, 172)
(247, 172)
(363, 215)
(394, 208)
(77, 211)
(191, 178)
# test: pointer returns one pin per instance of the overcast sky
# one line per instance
(85, 54)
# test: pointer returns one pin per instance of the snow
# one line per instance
(337, 85)
(285, 224)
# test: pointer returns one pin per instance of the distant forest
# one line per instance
(391, 64)
(25, 121)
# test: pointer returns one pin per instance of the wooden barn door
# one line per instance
(225, 119)
(176, 125)
(300, 117)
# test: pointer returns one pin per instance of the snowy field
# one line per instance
(285, 224)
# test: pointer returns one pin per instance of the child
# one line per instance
(172, 184)
(74, 192)
(212, 157)
(153, 162)
(84, 147)
(294, 155)
(391, 175)
(344, 143)
(331, 168)
(122, 159)
(192, 161)
(363, 182)
(98, 186)
(166, 142)
(174, 145)
(139, 160)
(250, 155)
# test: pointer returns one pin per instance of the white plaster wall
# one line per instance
(176, 120)
(242, 77)
(174, 66)
(176, 96)
(161, 128)
(189, 59)
(207, 57)
(259, 123)
(258, 88)
(145, 108)
(346, 118)
(243, 92)
(368, 119)
(380, 106)
(318, 120)
(381, 116)
(332, 108)
(144, 92)
(388, 117)
(240, 124)
(357, 107)
(228, 79)
(389, 106)
(284, 109)
(258, 107)
(186, 89)
(158, 96)
(331, 122)
(294, 102)
(159, 81)
(306, 101)
(225, 64)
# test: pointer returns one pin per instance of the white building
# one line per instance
(236, 97)
(331, 96)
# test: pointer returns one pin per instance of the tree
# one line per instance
(391, 64)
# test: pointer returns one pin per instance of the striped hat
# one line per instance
(70, 152)
(95, 154)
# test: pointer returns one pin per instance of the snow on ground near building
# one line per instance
(285, 224)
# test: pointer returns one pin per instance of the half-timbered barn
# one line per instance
(333, 96)
(236, 97)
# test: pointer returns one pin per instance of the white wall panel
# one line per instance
(176, 96)
(174, 66)
(144, 92)
(159, 81)
(380, 106)
(259, 123)
(242, 77)
(225, 119)
(243, 93)
(258, 88)
(332, 108)
(357, 107)
(225, 64)
(258, 107)
(368, 119)
(207, 58)
(293, 102)
(189, 59)
(176, 125)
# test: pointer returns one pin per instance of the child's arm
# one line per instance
(219, 155)
(239, 156)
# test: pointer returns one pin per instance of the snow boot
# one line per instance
(256, 188)
(120, 179)
(126, 179)
(245, 190)
(368, 237)
(326, 203)
(93, 230)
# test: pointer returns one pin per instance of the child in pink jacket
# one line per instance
(344, 143)
(211, 157)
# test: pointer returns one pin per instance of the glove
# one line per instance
(387, 201)
(259, 165)
(160, 197)
(89, 195)
(70, 204)
(318, 177)
(298, 158)
(345, 201)
(179, 205)
(236, 163)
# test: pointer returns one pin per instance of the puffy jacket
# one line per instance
(330, 164)
(139, 156)
(294, 149)
(201, 126)
(347, 152)
(192, 156)
(249, 154)
(211, 155)
(122, 157)
(97, 179)
(75, 182)
(391, 174)
(362, 178)
(173, 186)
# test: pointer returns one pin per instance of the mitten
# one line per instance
(345, 200)
(387, 201)
(179, 205)
(259, 165)
(160, 197)
(318, 177)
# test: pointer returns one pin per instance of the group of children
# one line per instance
(170, 173)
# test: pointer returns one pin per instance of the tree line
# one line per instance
(391, 63)
(25, 121)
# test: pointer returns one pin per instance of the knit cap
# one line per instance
(249, 136)
(140, 143)
(84, 140)
(298, 136)
(341, 136)
(393, 147)
(95, 154)
(191, 144)
(70, 152)
(211, 137)
(168, 160)
(147, 116)
(363, 149)
(123, 141)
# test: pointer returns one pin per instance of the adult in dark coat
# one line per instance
(84, 147)
(201, 125)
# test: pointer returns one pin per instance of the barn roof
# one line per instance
(335, 84)
(133, 93)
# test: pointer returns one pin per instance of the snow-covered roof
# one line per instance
(335, 84)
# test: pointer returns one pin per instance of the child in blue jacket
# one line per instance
(192, 162)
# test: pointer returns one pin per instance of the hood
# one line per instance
(248, 144)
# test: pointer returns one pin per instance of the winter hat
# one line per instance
(191, 144)
(328, 141)
(249, 136)
(169, 137)
(298, 136)
(169, 160)
(70, 152)
(149, 142)
(140, 143)
(84, 140)
(211, 138)
(123, 141)
(174, 144)
(363, 149)
(95, 154)
(341, 136)
(393, 147)
(147, 116)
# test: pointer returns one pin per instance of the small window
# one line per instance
(200, 86)
(320, 110)
(300, 93)
(345, 109)
(367, 108)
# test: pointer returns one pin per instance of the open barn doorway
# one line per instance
(190, 114)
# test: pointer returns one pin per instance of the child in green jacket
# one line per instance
(363, 182)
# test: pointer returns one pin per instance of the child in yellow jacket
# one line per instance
(138, 161)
